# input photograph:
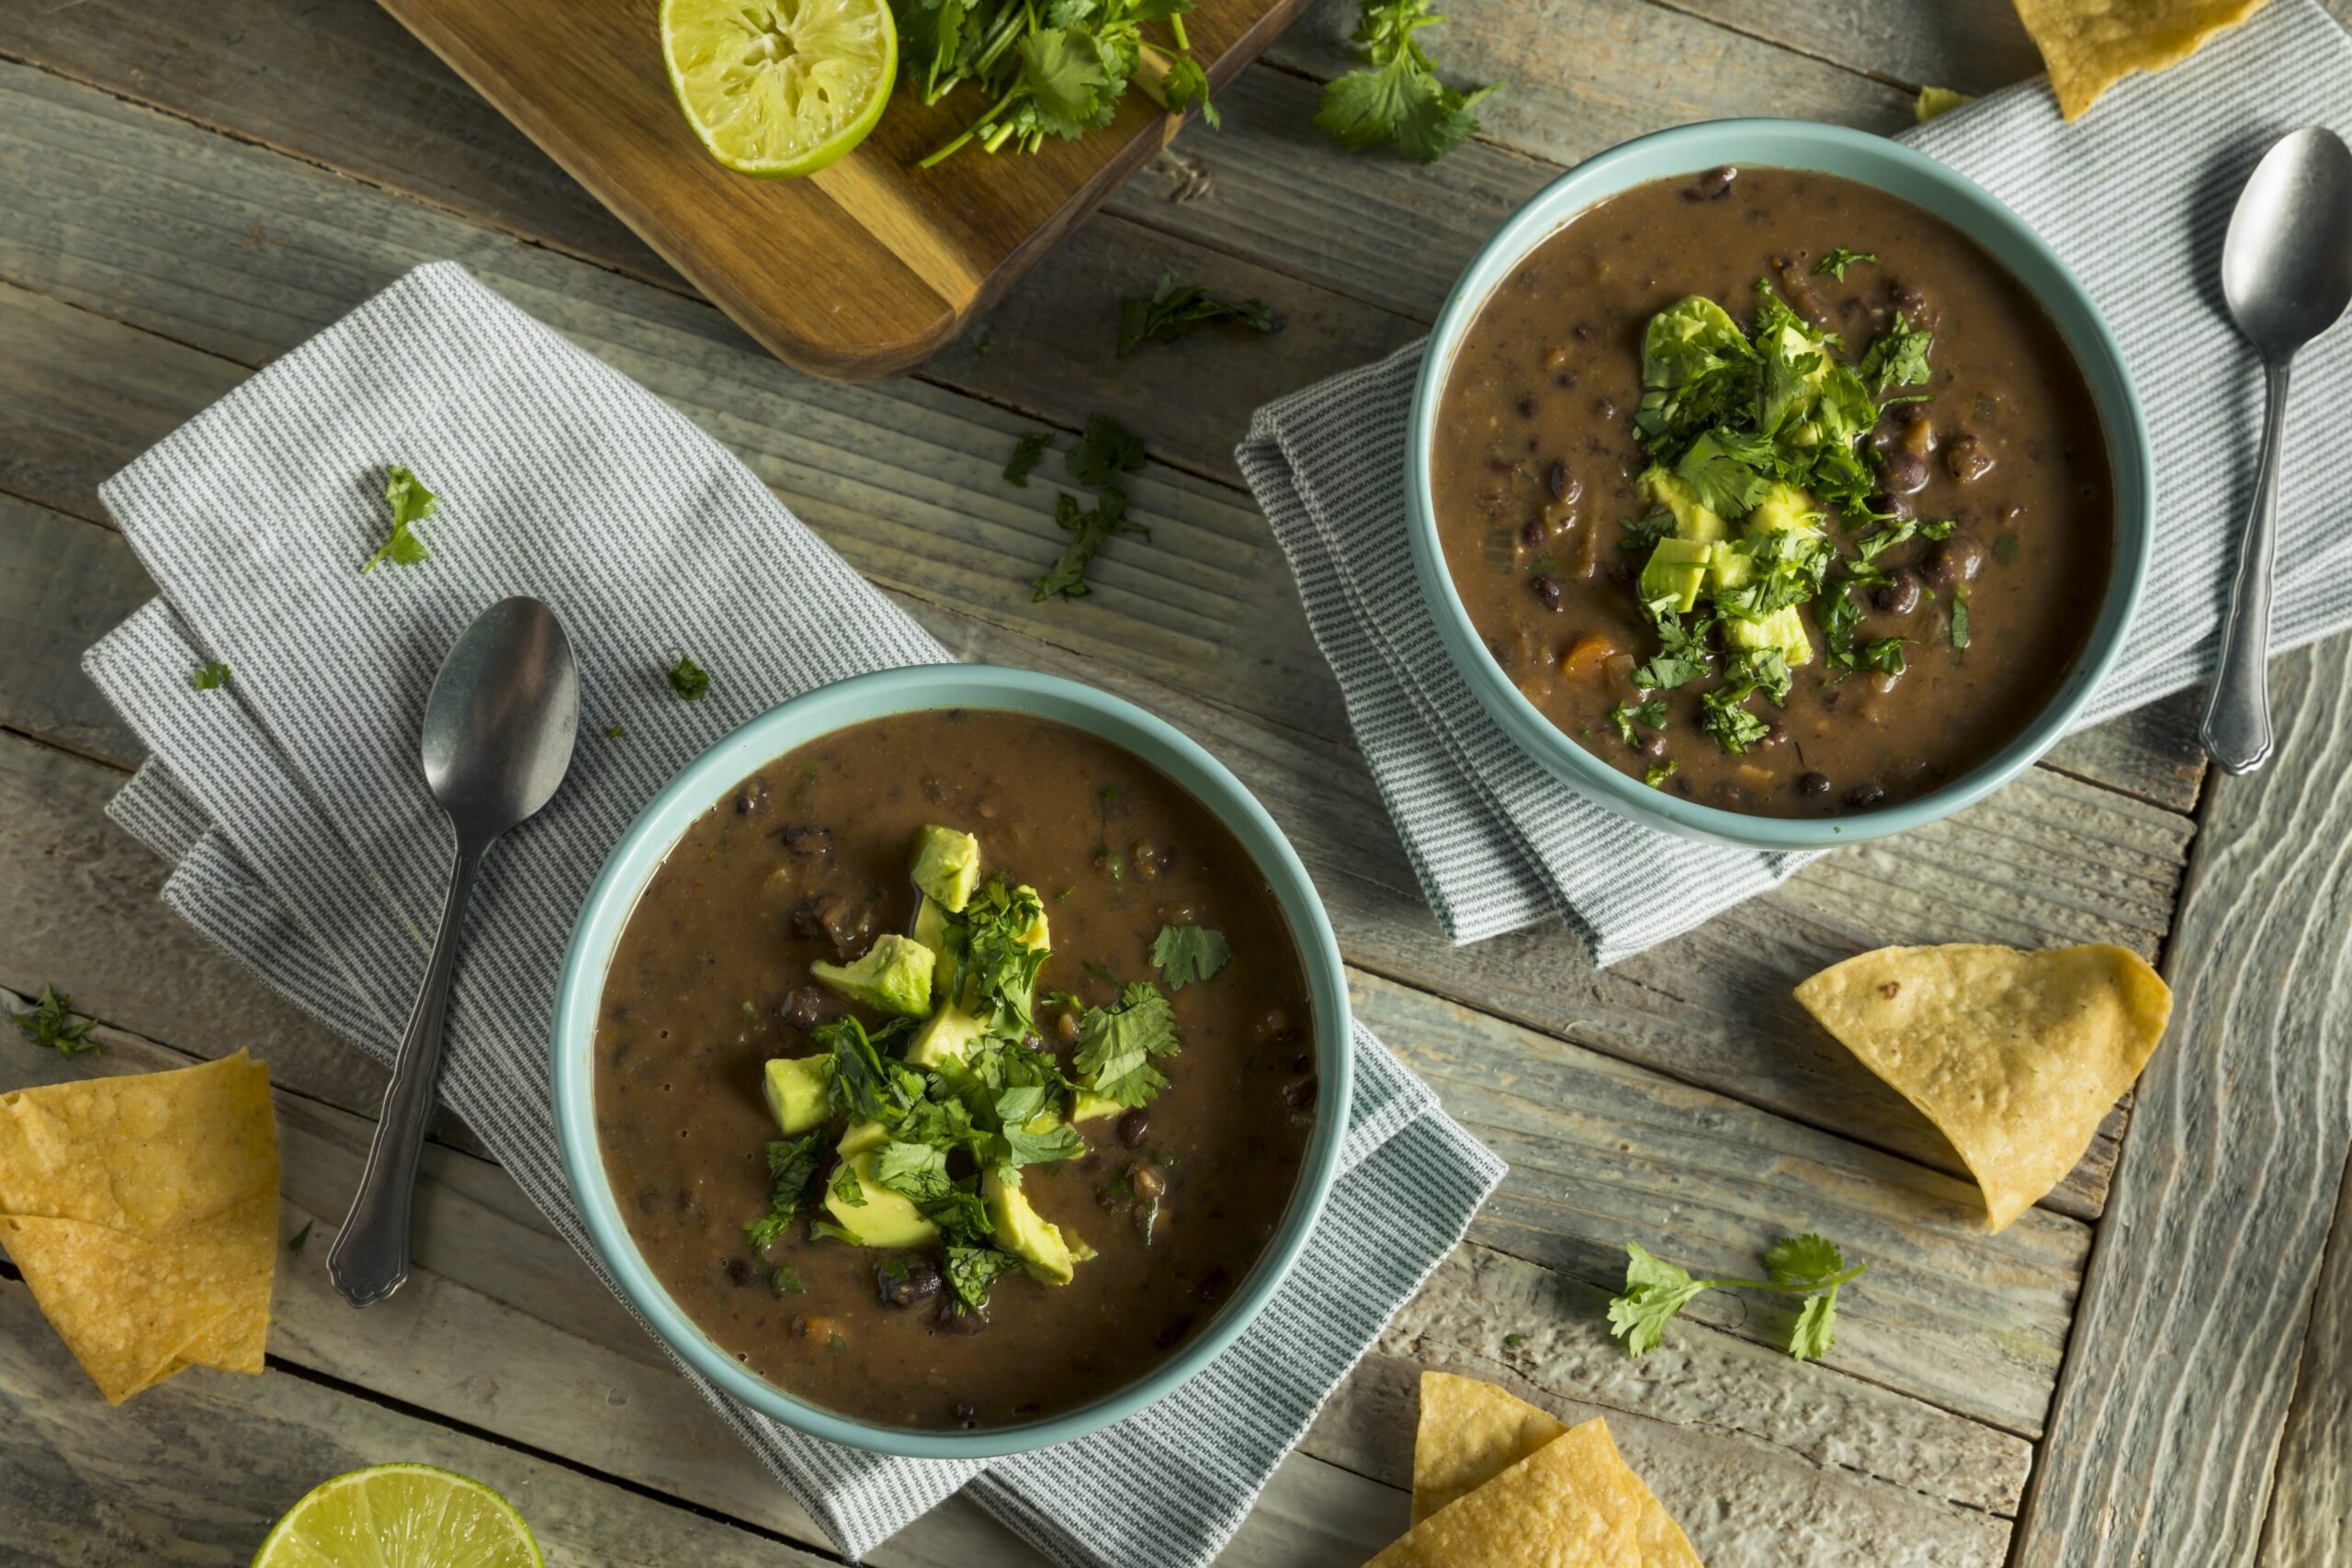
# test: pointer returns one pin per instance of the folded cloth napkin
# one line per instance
(2136, 198)
(305, 844)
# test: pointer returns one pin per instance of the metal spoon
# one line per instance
(2287, 274)
(498, 733)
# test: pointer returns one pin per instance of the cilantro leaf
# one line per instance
(1026, 453)
(1897, 358)
(786, 1281)
(1960, 622)
(1656, 1290)
(50, 1024)
(1021, 1147)
(1643, 532)
(689, 680)
(1735, 727)
(1684, 656)
(1169, 312)
(1186, 86)
(862, 1082)
(1105, 449)
(1625, 716)
(1808, 1261)
(412, 503)
(970, 1271)
(1185, 954)
(917, 1172)
(792, 1171)
(1838, 259)
(1116, 1045)
(1815, 1333)
(1089, 531)
(847, 1189)
(1397, 99)
(209, 678)
(1656, 773)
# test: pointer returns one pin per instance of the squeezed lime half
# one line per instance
(779, 88)
(401, 1516)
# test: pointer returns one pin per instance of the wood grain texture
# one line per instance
(860, 271)
(2194, 1317)
(2310, 1504)
(555, 1364)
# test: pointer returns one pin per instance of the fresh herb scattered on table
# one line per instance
(1808, 1265)
(1397, 100)
(209, 678)
(412, 503)
(1105, 449)
(689, 680)
(1171, 311)
(50, 1024)
(1027, 453)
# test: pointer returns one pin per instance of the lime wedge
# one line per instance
(401, 1516)
(780, 87)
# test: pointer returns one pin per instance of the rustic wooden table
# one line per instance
(2154, 1366)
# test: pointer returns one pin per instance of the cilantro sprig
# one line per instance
(1105, 449)
(1171, 311)
(52, 1026)
(1838, 258)
(1183, 954)
(1809, 1265)
(1117, 1044)
(412, 503)
(1395, 99)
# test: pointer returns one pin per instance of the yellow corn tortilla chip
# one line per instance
(2016, 1057)
(1573, 1502)
(1470, 1432)
(2089, 45)
(143, 1212)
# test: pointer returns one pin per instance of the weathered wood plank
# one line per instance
(2194, 1313)
(63, 584)
(2310, 1504)
(1881, 1474)
(1713, 1008)
(196, 1470)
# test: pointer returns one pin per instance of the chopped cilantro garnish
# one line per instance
(1897, 358)
(1185, 954)
(1960, 622)
(209, 678)
(792, 1171)
(412, 503)
(1105, 449)
(1939, 529)
(1089, 531)
(1643, 532)
(689, 680)
(1804, 1265)
(820, 1229)
(1026, 453)
(1656, 773)
(1733, 725)
(786, 1281)
(1838, 259)
(847, 1189)
(2006, 547)
(50, 1024)
(1116, 1045)
(1397, 100)
(1684, 656)
(1169, 312)
(1625, 716)
(1884, 656)
(970, 1271)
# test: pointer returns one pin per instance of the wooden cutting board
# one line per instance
(858, 272)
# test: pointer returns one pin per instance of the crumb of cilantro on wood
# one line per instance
(50, 1024)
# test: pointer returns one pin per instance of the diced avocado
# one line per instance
(862, 1137)
(1677, 570)
(946, 941)
(1686, 336)
(796, 1089)
(893, 976)
(886, 1218)
(1026, 1234)
(1784, 509)
(1784, 629)
(1090, 1105)
(944, 1037)
(1039, 933)
(1692, 521)
(1728, 567)
(946, 866)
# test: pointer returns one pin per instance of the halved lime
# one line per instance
(401, 1516)
(780, 87)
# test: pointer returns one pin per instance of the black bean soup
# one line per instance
(888, 1157)
(1773, 490)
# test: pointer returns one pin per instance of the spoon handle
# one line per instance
(2236, 730)
(369, 1259)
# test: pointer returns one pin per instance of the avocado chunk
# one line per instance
(894, 976)
(1692, 521)
(1687, 337)
(945, 1036)
(1677, 570)
(946, 866)
(1784, 509)
(1088, 1105)
(1784, 629)
(1026, 1234)
(860, 1137)
(796, 1089)
(886, 1218)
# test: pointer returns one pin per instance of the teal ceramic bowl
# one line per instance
(1920, 180)
(705, 781)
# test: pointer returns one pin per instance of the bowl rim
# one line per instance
(1898, 171)
(703, 783)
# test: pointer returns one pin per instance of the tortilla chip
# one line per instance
(142, 1210)
(2015, 1057)
(1571, 1504)
(2089, 45)
(1470, 1433)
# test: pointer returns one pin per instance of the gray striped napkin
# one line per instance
(303, 842)
(2136, 198)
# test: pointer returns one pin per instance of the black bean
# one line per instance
(1813, 784)
(1547, 588)
(1966, 460)
(1909, 300)
(1898, 507)
(804, 1007)
(739, 1271)
(1147, 1183)
(1212, 1284)
(1713, 186)
(954, 1319)
(1300, 1094)
(1899, 595)
(1902, 473)
(753, 797)
(1953, 561)
(1066, 1026)
(1866, 794)
(904, 1281)
(1566, 486)
(1775, 734)
(808, 842)
(1533, 535)
(1134, 1127)
(1527, 406)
